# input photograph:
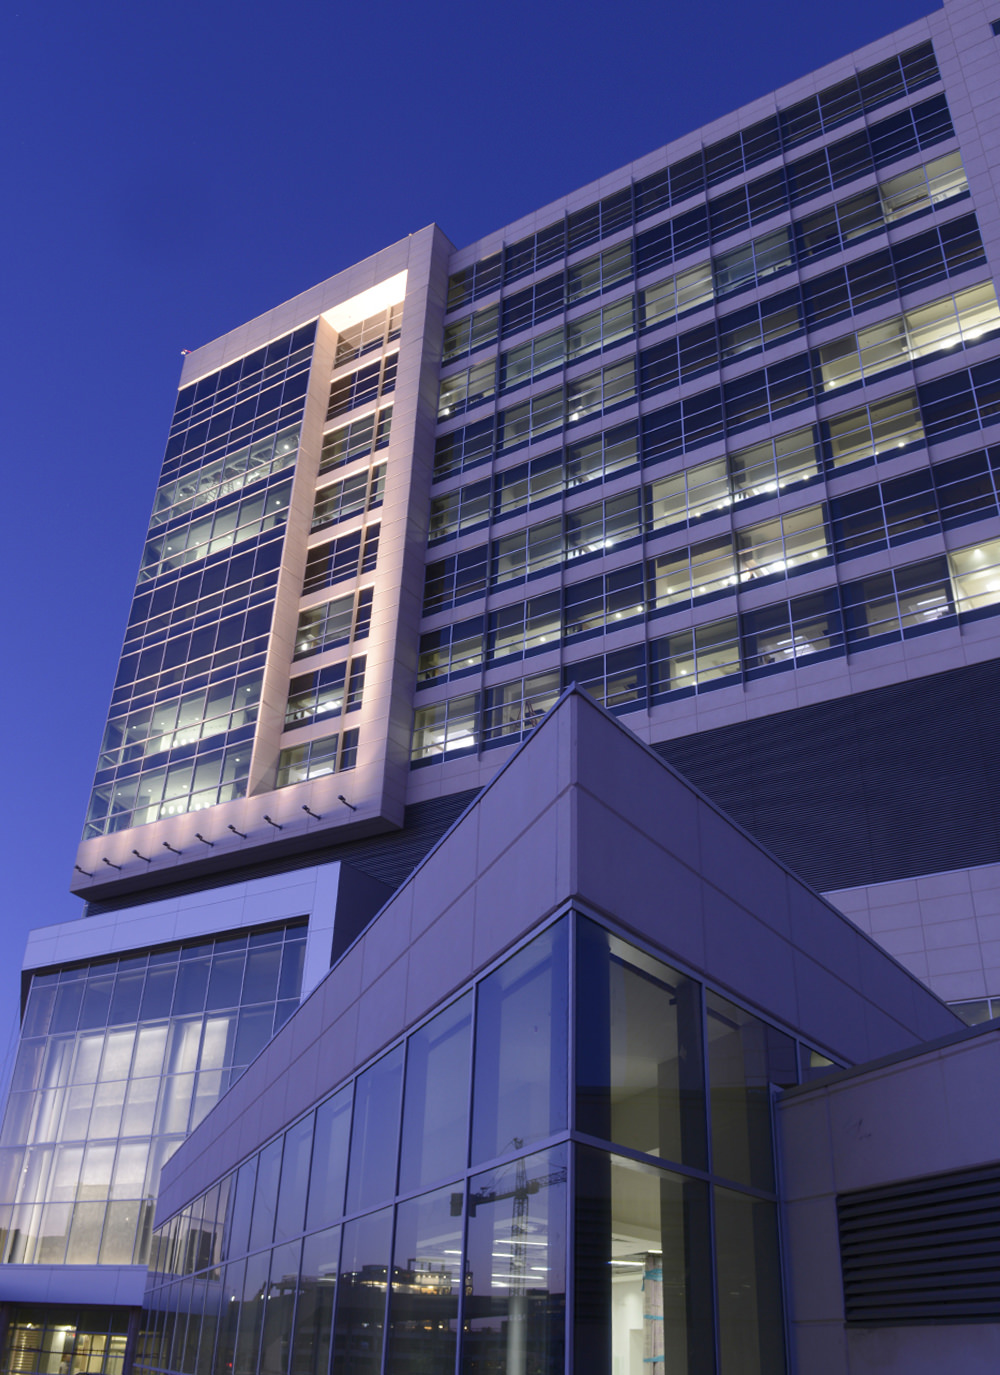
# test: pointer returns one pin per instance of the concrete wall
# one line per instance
(924, 1113)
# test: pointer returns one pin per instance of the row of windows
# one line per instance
(347, 556)
(225, 526)
(245, 374)
(881, 276)
(805, 240)
(218, 587)
(204, 650)
(368, 335)
(223, 477)
(364, 385)
(693, 175)
(172, 981)
(334, 623)
(356, 440)
(181, 721)
(327, 692)
(753, 473)
(387, 1133)
(757, 396)
(922, 502)
(42, 1341)
(189, 785)
(911, 600)
(349, 497)
(472, 1274)
(605, 603)
(119, 1059)
(613, 523)
(332, 754)
(232, 426)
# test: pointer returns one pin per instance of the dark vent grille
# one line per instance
(927, 1251)
(881, 785)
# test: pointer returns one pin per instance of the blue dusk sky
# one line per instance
(173, 170)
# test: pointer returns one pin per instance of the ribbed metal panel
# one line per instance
(925, 1251)
(881, 785)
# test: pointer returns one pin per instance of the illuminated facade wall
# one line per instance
(119, 1059)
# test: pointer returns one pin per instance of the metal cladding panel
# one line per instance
(886, 784)
(390, 857)
(925, 1251)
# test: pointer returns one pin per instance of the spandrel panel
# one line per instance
(436, 1098)
(520, 1072)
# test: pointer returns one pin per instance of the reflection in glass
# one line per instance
(520, 1072)
(436, 1100)
(751, 1338)
(279, 1305)
(329, 1160)
(375, 1132)
(294, 1180)
(426, 1281)
(639, 1055)
(314, 1312)
(643, 1269)
(745, 1056)
(360, 1316)
(515, 1267)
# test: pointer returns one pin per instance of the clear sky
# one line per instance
(173, 170)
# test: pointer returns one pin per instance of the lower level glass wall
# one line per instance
(119, 1059)
(501, 1192)
(53, 1340)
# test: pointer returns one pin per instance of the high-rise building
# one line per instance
(717, 440)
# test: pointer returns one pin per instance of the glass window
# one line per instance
(266, 1195)
(640, 1065)
(643, 1270)
(975, 574)
(314, 1310)
(290, 1214)
(745, 1056)
(251, 1317)
(520, 1071)
(748, 1278)
(426, 1283)
(436, 1097)
(515, 1279)
(375, 1132)
(279, 1307)
(361, 1290)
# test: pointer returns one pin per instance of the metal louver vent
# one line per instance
(924, 1251)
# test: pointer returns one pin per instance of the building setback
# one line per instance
(714, 443)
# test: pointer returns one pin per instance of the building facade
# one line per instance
(715, 439)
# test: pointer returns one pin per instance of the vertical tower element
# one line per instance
(273, 634)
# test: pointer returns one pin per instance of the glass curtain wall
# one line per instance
(119, 1059)
(471, 1203)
